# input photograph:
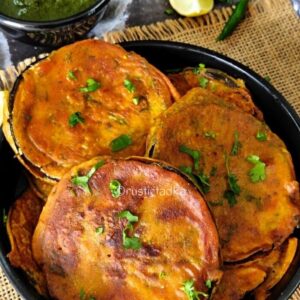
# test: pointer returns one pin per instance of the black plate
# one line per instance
(279, 115)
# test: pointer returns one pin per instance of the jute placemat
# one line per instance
(268, 41)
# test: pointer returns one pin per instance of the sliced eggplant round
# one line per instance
(244, 170)
(86, 99)
(126, 229)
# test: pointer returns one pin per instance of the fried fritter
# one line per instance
(22, 219)
(86, 99)
(243, 168)
(219, 83)
(136, 230)
(260, 274)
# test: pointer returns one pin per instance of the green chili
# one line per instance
(234, 20)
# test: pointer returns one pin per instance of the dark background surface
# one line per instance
(141, 12)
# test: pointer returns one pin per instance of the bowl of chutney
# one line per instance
(50, 23)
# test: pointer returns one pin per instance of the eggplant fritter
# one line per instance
(22, 219)
(244, 170)
(86, 99)
(126, 229)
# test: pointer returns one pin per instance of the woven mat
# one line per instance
(268, 41)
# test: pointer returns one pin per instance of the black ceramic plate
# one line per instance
(279, 115)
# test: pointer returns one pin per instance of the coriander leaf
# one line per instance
(71, 75)
(92, 298)
(268, 78)
(230, 196)
(131, 242)
(82, 294)
(193, 153)
(233, 187)
(129, 86)
(189, 289)
(208, 283)
(169, 11)
(199, 69)
(162, 275)
(91, 86)
(233, 184)
(83, 181)
(115, 188)
(203, 82)
(128, 215)
(236, 144)
(120, 143)
(204, 182)
(258, 172)
(98, 165)
(75, 119)
(261, 136)
(186, 170)
(210, 134)
(100, 230)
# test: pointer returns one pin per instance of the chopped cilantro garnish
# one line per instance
(258, 172)
(129, 242)
(82, 294)
(120, 143)
(203, 82)
(268, 78)
(162, 275)
(193, 153)
(83, 181)
(100, 230)
(261, 136)
(230, 197)
(210, 134)
(189, 289)
(115, 188)
(91, 86)
(169, 11)
(136, 100)
(186, 170)
(199, 69)
(75, 119)
(71, 75)
(208, 283)
(126, 214)
(236, 144)
(129, 86)
(203, 181)
(233, 187)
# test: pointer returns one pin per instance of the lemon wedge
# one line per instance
(192, 8)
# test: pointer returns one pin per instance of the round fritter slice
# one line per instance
(219, 83)
(126, 229)
(86, 99)
(243, 168)
(22, 219)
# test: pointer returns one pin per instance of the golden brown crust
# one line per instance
(22, 219)
(178, 236)
(266, 212)
(236, 94)
(45, 98)
(41, 188)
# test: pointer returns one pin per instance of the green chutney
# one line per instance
(43, 10)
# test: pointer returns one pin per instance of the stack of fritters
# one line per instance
(137, 228)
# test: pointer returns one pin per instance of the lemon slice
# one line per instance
(192, 8)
